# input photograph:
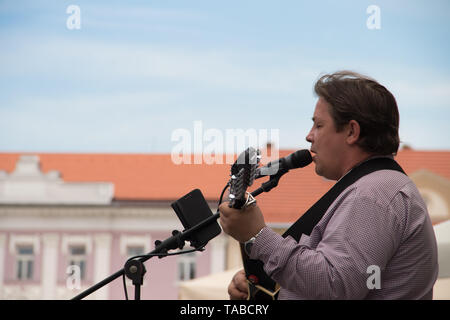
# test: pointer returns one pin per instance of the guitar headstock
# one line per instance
(243, 173)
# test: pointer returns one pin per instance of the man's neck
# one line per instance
(356, 160)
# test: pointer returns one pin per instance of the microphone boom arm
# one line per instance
(271, 183)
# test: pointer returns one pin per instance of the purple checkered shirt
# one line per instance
(380, 221)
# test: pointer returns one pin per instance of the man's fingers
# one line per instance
(237, 288)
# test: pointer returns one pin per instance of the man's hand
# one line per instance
(237, 289)
(241, 224)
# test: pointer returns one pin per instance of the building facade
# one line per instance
(59, 238)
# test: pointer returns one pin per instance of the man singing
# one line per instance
(380, 222)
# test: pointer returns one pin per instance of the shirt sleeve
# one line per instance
(361, 233)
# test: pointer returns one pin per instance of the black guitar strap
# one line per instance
(306, 223)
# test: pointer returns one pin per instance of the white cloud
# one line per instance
(425, 95)
(94, 61)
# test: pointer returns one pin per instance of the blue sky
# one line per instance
(136, 71)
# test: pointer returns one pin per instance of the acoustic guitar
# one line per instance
(242, 176)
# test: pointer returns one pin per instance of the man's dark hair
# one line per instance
(353, 96)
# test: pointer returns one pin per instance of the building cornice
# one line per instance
(84, 211)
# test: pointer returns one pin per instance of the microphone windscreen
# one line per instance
(300, 159)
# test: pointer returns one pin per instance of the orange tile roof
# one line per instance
(156, 177)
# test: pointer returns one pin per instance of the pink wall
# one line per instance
(159, 281)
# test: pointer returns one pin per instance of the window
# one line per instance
(132, 245)
(24, 262)
(135, 251)
(186, 266)
(77, 257)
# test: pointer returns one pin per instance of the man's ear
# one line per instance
(353, 132)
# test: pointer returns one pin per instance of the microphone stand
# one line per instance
(271, 183)
(135, 269)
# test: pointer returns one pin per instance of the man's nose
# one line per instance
(309, 137)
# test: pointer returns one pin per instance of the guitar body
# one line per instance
(260, 285)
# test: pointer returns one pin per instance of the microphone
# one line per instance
(297, 159)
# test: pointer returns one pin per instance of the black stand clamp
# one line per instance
(135, 270)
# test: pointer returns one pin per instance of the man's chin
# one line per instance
(317, 169)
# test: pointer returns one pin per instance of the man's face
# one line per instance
(327, 145)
